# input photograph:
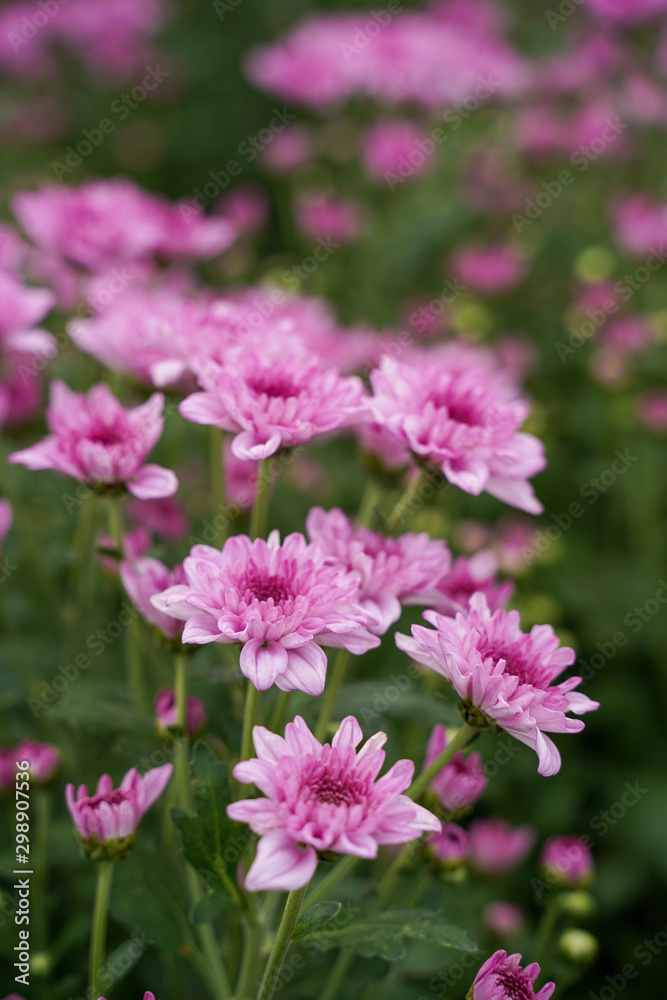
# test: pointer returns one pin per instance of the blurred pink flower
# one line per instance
(491, 268)
(567, 862)
(462, 781)
(502, 675)
(288, 150)
(323, 216)
(147, 996)
(280, 602)
(95, 440)
(450, 846)
(470, 575)
(464, 419)
(24, 348)
(241, 477)
(107, 821)
(322, 798)
(44, 764)
(653, 410)
(641, 225)
(390, 571)
(398, 148)
(503, 919)
(6, 518)
(502, 978)
(246, 206)
(166, 715)
(496, 848)
(165, 517)
(271, 403)
(627, 10)
(143, 578)
(629, 334)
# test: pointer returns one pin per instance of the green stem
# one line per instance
(217, 476)
(406, 504)
(259, 518)
(98, 939)
(116, 526)
(337, 974)
(250, 716)
(339, 871)
(247, 977)
(277, 720)
(338, 672)
(546, 928)
(369, 504)
(215, 970)
(182, 782)
(39, 880)
(281, 943)
(458, 740)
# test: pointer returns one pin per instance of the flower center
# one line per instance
(337, 788)
(112, 798)
(461, 411)
(264, 588)
(106, 435)
(514, 984)
(273, 384)
(516, 663)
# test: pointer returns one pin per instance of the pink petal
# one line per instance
(306, 670)
(152, 482)
(262, 664)
(280, 863)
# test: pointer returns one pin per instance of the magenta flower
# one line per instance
(322, 216)
(44, 764)
(489, 269)
(166, 716)
(6, 518)
(462, 781)
(502, 978)
(463, 420)
(143, 578)
(24, 348)
(503, 919)
(322, 798)
(272, 403)
(95, 440)
(391, 571)
(653, 410)
(398, 148)
(503, 676)
(450, 846)
(567, 862)
(165, 517)
(470, 575)
(281, 603)
(495, 847)
(107, 821)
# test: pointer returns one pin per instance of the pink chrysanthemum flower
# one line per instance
(503, 676)
(143, 578)
(567, 862)
(470, 575)
(272, 403)
(107, 821)
(489, 269)
(43, 759)
(450, 846)
(322, 798)
(462, 781)
(502, 978)
(24, 348)
(166, 715)
(282, 603)
(495, 847)
(465, 421)
(391, 571)
(95, 440)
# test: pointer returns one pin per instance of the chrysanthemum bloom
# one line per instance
(107, 821)
(23, 347)
(489, 269)
(95, 440)
(391, 571)
(45, 761)
(166, 715)
(495, 847)
(450, 846)
(463, 421)
(653, 410)
(143, 578)
(398, 148)
(322, 798)
(165, 517)
(503, 919)
(470, 575)
(567, 862)
(502, 978)
(322, 216)
(503, 676)
(282, 603)
(271, 403)
(462, 781)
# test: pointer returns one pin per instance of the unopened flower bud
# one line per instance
(578, 946)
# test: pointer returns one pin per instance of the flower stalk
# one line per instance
(98, 938)
(282, 941)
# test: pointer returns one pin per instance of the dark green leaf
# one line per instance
(316, 917)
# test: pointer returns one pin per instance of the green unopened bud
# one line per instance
(41, 964)
(578, 946)
(578, 904)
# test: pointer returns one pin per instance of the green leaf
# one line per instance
(141, 900)
(386, 935)
(207, 834)
(316, 917)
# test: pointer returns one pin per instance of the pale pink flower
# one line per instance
(322, 798)
(470, 575)
(6, 518)
(288, 150)
(627, 10)
(503, 676)
(398, 148)
(632, 333)
(492, 268)
(496, 848)
(246, 206)
(113, 36)
(567, 862)
(450, 846)
(391, 571)
(167, 717)
(165, 517)
(653, 410)
(462, 781)
(107, 821)
(503, 919)
(280, 602)
(24, 347)
(271, 403)
(463, 419)
(145, 577)
(241, 477)
(640, 224)
(324, 216)
(44, 760)
(95, 440)
(502, 978)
